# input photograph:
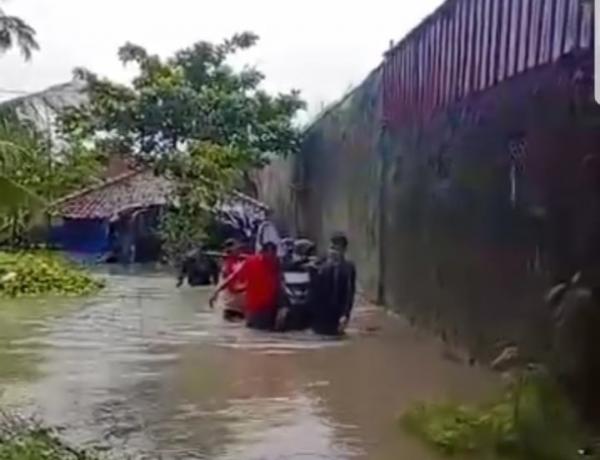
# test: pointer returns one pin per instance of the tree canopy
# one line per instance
(193, 116)
(193, 96)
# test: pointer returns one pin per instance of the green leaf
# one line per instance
(14, 197)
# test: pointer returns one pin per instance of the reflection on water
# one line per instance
(149, 370)
(20, 320)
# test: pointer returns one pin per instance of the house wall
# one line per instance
(81, 235)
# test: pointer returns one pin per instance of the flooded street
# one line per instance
(149, 370)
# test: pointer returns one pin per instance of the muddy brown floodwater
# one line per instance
(147, 370)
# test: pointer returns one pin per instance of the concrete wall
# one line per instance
(482, 208)
(333, 183)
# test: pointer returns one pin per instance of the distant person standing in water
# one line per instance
(262, 276)
(267, 233)
(335, 290)
(198, 268)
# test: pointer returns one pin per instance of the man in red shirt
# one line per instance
(262, 275)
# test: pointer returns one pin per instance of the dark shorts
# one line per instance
(263, 321)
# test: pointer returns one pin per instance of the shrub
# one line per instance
(28, 440)
(41, 273)
(530, 421)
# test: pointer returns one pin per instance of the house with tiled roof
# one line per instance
(121, 211)
(125, 192)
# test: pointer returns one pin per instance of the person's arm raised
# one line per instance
(225, 284)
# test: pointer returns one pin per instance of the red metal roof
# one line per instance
(468, 46)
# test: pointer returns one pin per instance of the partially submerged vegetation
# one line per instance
(42, 273)
(531, 420)
(26, 440)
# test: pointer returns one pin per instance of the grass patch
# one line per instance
(27, 440)
(531, 421)
(27, 274)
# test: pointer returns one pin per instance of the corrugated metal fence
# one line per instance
(470, 45)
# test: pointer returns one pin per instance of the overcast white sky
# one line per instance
(322, 47)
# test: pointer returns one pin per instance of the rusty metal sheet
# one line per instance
(546, 33)
(437, 62)
(448, 60)
(390, 86)
(485, 45)
(421, 72)
(477, 44)
(425, 37)
(462, 48)
(418, 70)
(572, 26)
(503, 45)
(401, 82)
(418, 74)
(405, 81)
(410, 76)
(494, 42)
(470, 42)
(455, 52)
(560, 16)
(534, 33)
(513, 38)
(523, 35)
(397, 73)
(429, 97)
(447, 43)
(427, 100)
(412, 80)
(587, 14)
(471, 45)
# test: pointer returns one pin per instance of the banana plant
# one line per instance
(14, 196)
(19, 205)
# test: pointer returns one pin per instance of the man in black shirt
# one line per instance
(335, 290)
(198, 268)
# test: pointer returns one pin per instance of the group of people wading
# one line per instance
(283, 285)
